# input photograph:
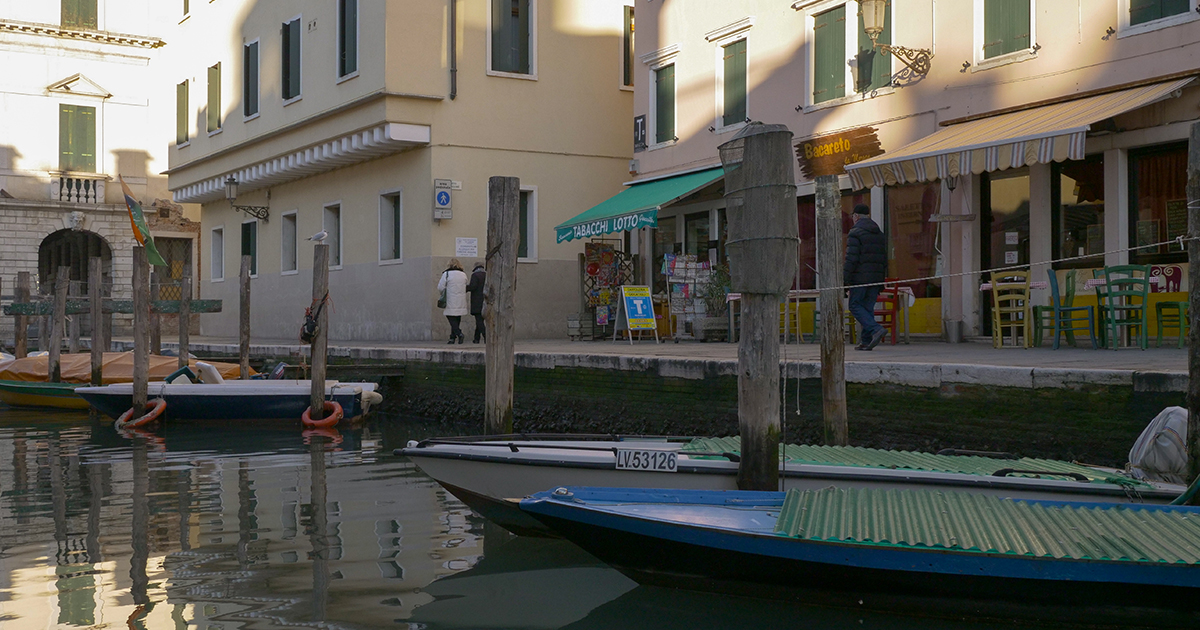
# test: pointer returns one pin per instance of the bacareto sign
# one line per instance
(829, 154)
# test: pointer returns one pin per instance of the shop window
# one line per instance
(332, 224)
(391, 227)
(913, 246)
(217, 254)
(733, 83)
(347, 37)
(250, 244)
(1006, 218)
(512, 36)
(79, 14)
(1077, 190)
(664, 243)
(696, 235)
(77, 138)
(250, 79)
(181, 113)
(1007, 27)
(290, 60)
(1158, 200)
(807, 209)
(213, 109)
(288, 242)
(627, 50)
(664, 104)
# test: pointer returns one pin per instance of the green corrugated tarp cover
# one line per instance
(987, 524)
(911, 460)
(635, 207)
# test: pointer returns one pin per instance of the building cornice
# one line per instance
(729, 30)
(103, 37)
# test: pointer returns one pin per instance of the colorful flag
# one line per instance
(141, 232)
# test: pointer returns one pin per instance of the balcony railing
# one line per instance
(77, 187)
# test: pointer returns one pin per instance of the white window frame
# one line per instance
(533, 38)
(852, 96)
(341, 234)
(258, 86)
(720, 38)
(1015, 56)
(655, 61)
(283, 270)
(532, 235)
(384, 195)
(257, 237)
(621, 64)
(1125, 29)
(300, 94)
(214, 258)
(357, 41)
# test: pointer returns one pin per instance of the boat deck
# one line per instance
(969, 522)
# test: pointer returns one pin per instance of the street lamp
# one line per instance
(231, 192)
(874, 14)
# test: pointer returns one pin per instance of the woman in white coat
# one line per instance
(454, 282)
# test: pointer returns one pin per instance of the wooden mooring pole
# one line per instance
(185, 317)
(141, 329)
(155, 318)
(829, 271)
(72, 321)
(319, 344)
(499, 294)
(59, 318)
(21, 335)
(1193, 250)
(244, 318)
(97, 318)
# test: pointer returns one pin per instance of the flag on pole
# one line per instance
(137, 220)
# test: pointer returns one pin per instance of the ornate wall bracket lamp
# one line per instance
(231, 191)
(874, 13)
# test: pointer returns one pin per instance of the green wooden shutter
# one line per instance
(523, 246)
(664, 104)
(1005, 27)
(181, 113)
(185, 7)
(874, 67)
(250, 244)
(735, 83)
(627, 43)
(348, 37)
(213, 110)
(79, 14)
(291, 59)
(829, 55)
(77, 138)
(1141, 11)
(250, 79)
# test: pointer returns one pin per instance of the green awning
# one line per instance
(636, 206)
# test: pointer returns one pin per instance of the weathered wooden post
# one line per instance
(319, 344)
(96, 303)
(829, 271)
(21, 335)
(760, 196)
(244, 320)
(155, 318)
(56, 327)
(185, 316)
(72, 321)
(141, 339)
(1193, 249)
(499, 294)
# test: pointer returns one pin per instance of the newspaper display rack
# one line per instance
(687, 279)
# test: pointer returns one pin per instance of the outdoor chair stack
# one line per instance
(1063, 315)
(1011, 310)
(1123, 303)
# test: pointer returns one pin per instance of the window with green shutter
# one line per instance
(181, 113)
(523, 246)
(1006, 27)
(347, 37)
(829, 55)
(79, 14)
(250, 244)
(250, 79)
(874, 67)
(291, 59)
(77, 138)
(213, 108)
(664, 104)
(1141, 11)
(735, 83)
(511, 30)
(627, 50)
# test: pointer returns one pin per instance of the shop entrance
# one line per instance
(1004, 197)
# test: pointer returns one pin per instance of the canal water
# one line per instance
(260, 526)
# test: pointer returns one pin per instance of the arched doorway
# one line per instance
(72, 248)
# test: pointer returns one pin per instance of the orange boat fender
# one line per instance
(154, 410)
(333, 413)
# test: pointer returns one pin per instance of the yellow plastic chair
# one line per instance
(1011, 309)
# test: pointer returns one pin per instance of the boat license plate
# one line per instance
(656, 461)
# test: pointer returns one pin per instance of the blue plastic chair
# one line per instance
(1070, 319)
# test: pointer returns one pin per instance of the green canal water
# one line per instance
(257, 526)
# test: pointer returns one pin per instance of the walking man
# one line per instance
(866, 262)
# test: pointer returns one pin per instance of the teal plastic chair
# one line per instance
(1043, 315)
(1172, 315)
(1067, 318)
(1125, 291)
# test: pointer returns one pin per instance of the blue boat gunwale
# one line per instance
(869, 556)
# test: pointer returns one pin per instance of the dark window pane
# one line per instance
(627, 44)
(664, 104)
(250, 79)
(1078, 212)
(291, 59)
(250, 245)
(347, 37)
(1158, 202)
(510, 36)
(523, 247)
(735, 83)
(1147, 10)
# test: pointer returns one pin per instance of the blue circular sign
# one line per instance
(443, 197)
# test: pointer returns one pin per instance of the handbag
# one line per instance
(442, 296)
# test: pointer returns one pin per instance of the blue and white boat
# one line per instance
(866, 546)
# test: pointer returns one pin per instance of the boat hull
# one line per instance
(44, 395)
(247, 400)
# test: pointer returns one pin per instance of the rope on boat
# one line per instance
(153, 410)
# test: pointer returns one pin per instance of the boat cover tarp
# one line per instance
(910, 460)
(117, 368)
(1160, 452)
(988, 524)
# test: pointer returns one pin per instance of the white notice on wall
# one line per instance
(1010, 258)
(1012, 238)
(466, 247)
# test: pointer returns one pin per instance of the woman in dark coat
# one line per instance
(475, 288)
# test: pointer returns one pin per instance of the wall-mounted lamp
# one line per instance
(952, 183)
(874, 14)
(231, 192)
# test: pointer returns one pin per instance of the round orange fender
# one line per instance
(155, 408)
(333, 413)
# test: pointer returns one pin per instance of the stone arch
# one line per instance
(72, 248)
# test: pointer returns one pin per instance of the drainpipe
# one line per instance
(453, 49)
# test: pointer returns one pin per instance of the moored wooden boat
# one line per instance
(233, 400)
(47, 395)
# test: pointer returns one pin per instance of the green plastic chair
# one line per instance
(1172, 315)
(1124, 300)
(1069, 319)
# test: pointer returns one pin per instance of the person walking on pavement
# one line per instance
(475, 288)
(866, 263)
(454, 282)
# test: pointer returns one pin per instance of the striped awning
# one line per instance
(1037, 135)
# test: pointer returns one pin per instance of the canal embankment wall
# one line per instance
(1091, 415)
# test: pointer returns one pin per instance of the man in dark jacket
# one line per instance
(866, 262)
(475, 288)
